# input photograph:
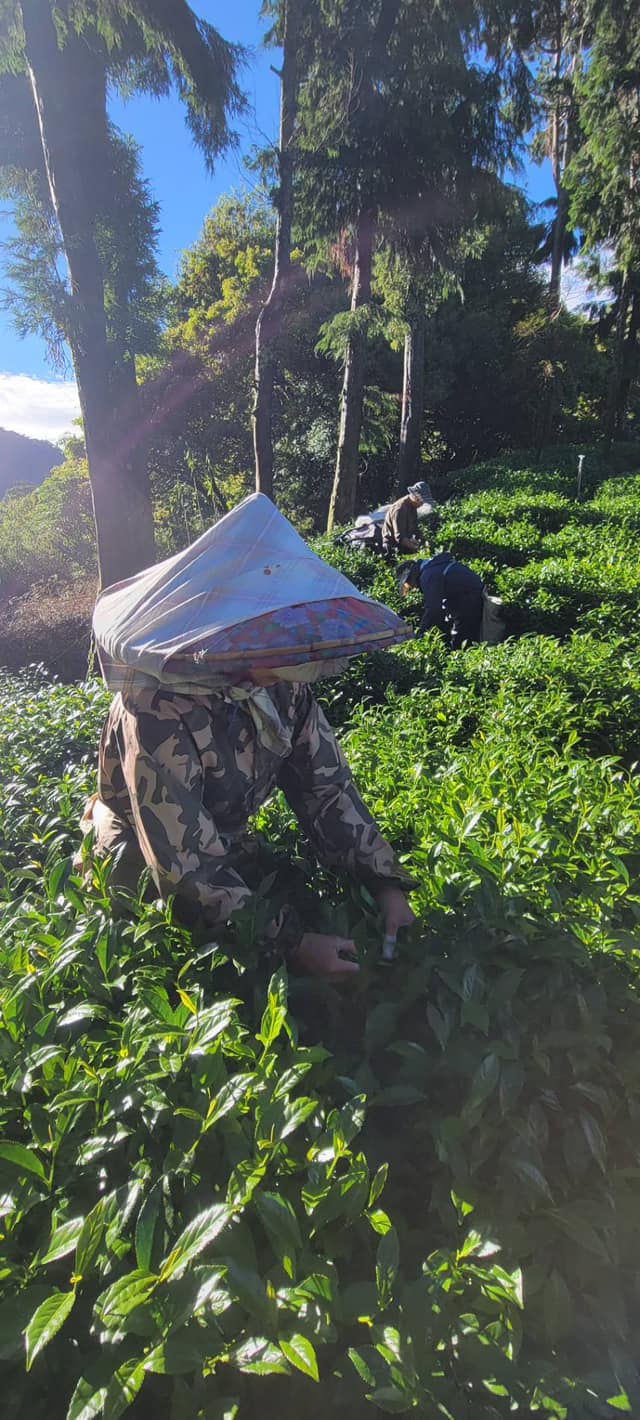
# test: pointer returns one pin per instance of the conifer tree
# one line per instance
(67, 52)
(604, 182)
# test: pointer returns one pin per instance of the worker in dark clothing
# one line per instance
(452, 596)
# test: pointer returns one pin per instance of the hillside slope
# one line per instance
(25, 460)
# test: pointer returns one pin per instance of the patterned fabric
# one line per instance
(182, 775)
(313, 631)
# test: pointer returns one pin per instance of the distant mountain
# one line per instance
(25, 460)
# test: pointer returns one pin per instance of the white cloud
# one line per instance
(42, 409)
(578, 292)
(576, 289)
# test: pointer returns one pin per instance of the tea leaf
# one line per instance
(63, 1240)
(387, 1261)
(281, 1226)
(21, 1160)
(391, 1400)
(46, 1323)
(300, 1353)
(197, 1236)
(377, 1184)
(484, 1082)
(86, 1401)
(595, 1139)
(122, 1389)
(147, 1227)
(260, 1357)
(91, 1235)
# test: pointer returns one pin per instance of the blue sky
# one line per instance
(32, 399)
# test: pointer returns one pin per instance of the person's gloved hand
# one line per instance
(395, 909)
(318, 955)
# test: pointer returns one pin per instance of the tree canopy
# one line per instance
(421, 321)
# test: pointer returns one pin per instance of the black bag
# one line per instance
(368, 536)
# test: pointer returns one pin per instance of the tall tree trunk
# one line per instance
(614, 410)
(558, 162)
(412, 402)
(550, 397)
(558, 155)
(345, 484)
(557, 250)
(629, 363)
(69, 91)
(560, 124)
(271, 317)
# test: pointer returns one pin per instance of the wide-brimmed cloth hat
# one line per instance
(248, 596)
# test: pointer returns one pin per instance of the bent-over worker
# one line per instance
(210, 656)
(180, 775)
(452, 596)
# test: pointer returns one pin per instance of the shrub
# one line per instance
(194, 1180)
(50, 625)
(47, 534)
(218, 1187)
(558, 563)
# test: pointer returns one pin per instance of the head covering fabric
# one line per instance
(421, 490)
(249, 595)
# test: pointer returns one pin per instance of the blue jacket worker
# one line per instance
(452, 596)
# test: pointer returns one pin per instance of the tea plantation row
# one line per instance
(423, 1194)
(561, 564)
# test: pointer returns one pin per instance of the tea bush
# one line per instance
(560, 563)
(423, 1192)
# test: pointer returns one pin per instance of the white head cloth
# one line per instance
(155, 628)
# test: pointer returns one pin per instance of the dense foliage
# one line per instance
(486, 365)
(415, 266)
(47, 533)
(422, 1193)
(424, 1190)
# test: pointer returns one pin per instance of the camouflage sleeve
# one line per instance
(177, 836)
(109, 770)
(319, 786)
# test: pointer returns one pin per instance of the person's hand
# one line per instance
(395, 909)
(318, 955)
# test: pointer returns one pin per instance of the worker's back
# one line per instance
(459, 583)
(401, 522)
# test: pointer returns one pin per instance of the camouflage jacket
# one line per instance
(184, 774)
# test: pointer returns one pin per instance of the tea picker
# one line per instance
(367, 531)
(211, 656)
(400, 530)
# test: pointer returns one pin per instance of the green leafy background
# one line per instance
(423, 1192)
